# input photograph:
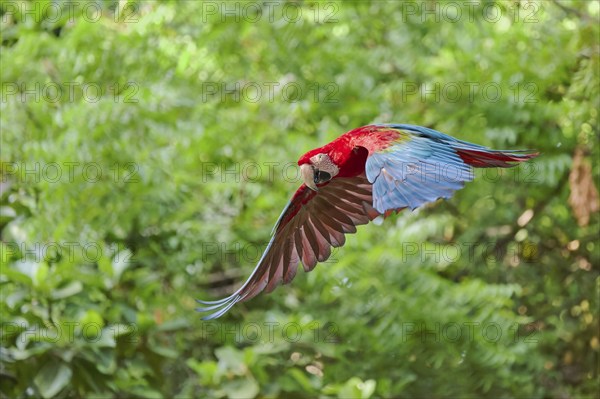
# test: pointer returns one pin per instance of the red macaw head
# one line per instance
(342, 158)
(317, 167)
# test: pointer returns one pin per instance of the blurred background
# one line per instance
(149, 147)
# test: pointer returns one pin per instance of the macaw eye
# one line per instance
(321, 177)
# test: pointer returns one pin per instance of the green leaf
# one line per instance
(231, 359)
(74, 287)
(105, 361)
(121, 261)
(356, 388)
(174, 325)
(241, 388)
(91, 325)
(52, 378)
(301, 378)
(164, 351)
(40, 279)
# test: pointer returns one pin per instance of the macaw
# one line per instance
(364, 175)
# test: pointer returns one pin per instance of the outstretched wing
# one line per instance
(309, 226)
(421, 165)
(414, 171)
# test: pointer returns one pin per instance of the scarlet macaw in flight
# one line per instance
(365, 174)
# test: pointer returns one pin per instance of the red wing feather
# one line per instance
(310, 225)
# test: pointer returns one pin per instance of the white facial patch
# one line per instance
(324, 163)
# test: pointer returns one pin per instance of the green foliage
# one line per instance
(136, 177)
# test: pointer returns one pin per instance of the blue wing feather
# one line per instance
(419, 168)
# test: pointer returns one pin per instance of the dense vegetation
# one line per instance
(148, 148)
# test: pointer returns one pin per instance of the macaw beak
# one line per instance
(308, 176)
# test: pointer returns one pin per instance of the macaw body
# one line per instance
(364, 175)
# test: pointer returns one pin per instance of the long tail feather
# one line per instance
(484, 158)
